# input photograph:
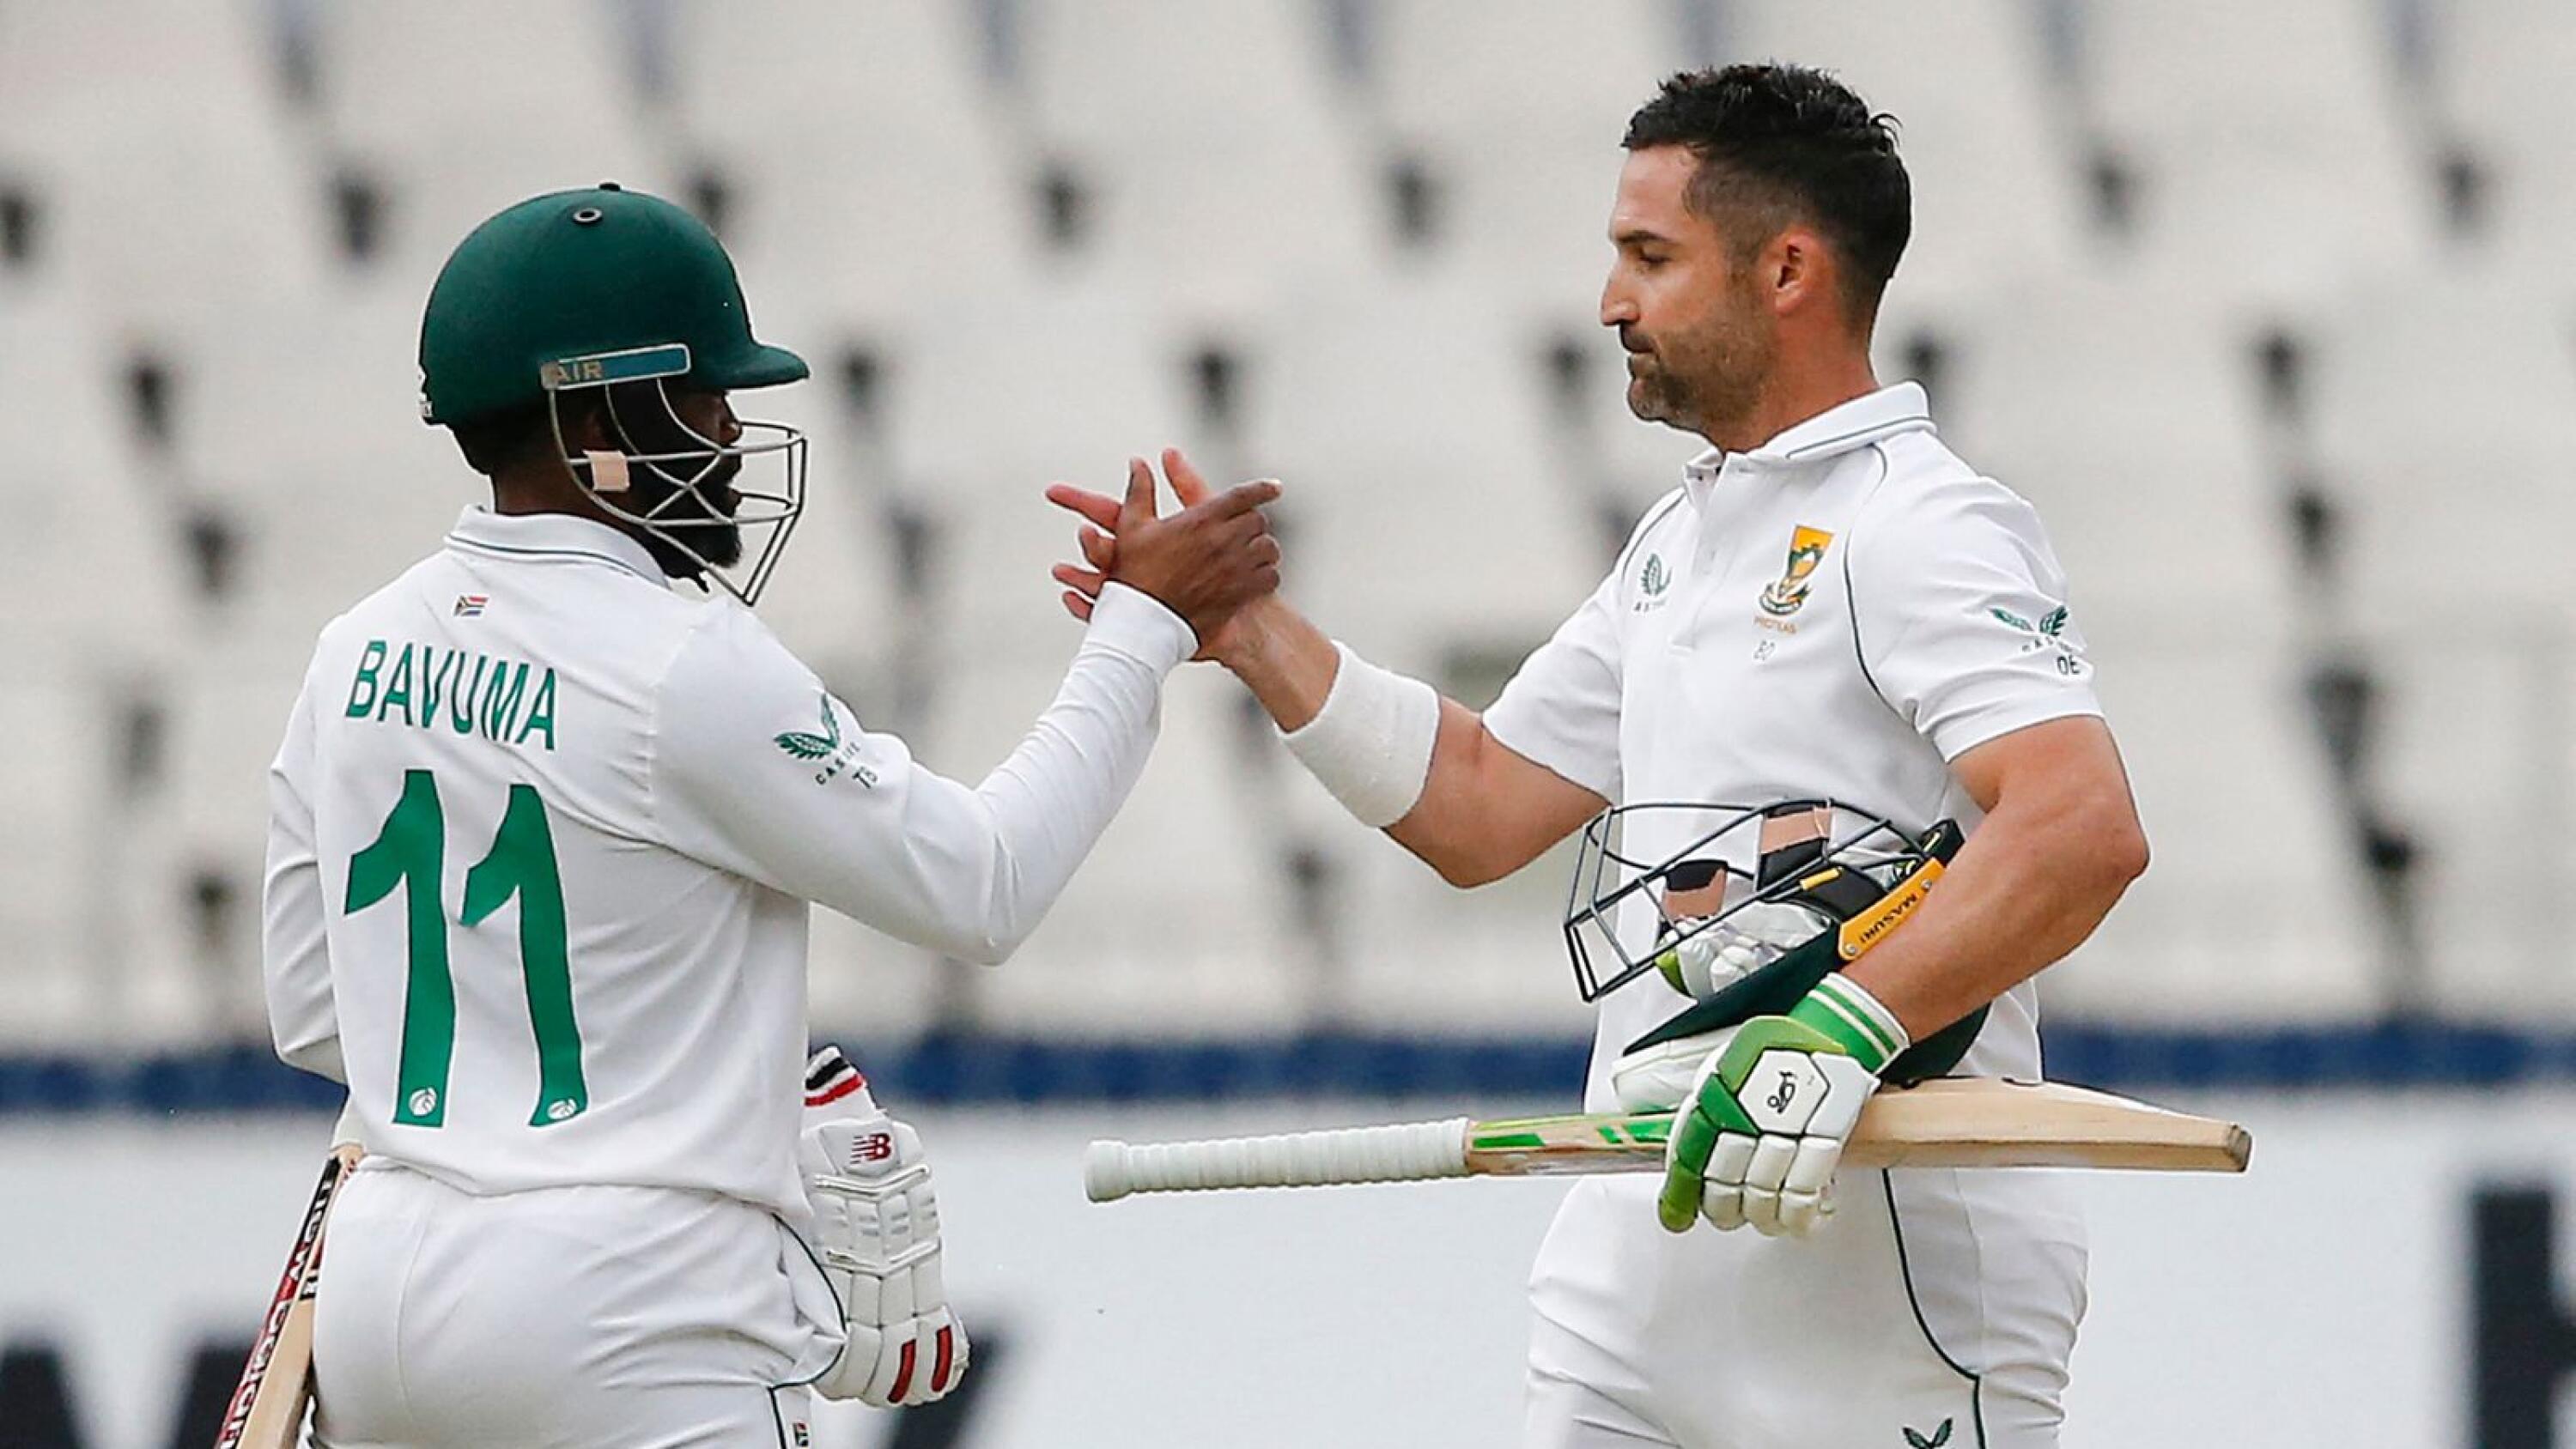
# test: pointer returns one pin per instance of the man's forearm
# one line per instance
(1482, 812)
(1285, 661)
(2028, 886)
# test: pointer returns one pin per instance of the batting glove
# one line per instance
(876, 1229)
(1765, 1122)
(1661, 1077)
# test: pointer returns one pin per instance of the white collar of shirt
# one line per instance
(557, 535)
(1848, 427)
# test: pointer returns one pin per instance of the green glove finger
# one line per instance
(1695, 1134)
(1694, 1138)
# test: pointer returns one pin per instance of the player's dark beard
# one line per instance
(698, 518)
(701, 518)
(1705, 380)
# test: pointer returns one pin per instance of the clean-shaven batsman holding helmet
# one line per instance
(1863, 794)
(545, 826)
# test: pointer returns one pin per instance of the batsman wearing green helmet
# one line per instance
(545, 826)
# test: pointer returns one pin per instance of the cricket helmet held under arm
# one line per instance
(1742, 909)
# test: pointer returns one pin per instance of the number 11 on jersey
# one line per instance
(411, 852)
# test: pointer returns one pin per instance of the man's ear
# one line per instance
(584, 417)
(1795, 271)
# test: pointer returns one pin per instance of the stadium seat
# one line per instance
(866, 168)
(998, 398)
(1516, 110)
(1993, 164)
(2130, 420)
(1207, 142)
(459, 109)
(99, 568)
(113, 115)
(2255, 908)
(2458, 391)
(834, 598)
(1175, 923)
(225, 729)
(2273, 169)
(2445, 425)
(1421, 957)
(2500, 84)
(2471, 760)
(55, 775)
(1427, 515)
(301, 431)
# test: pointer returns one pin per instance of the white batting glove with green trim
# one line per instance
(1763, 1128)
(1745, 941)
(1661, 1077)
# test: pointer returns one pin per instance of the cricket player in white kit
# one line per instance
(1831, 608)
(545, 828)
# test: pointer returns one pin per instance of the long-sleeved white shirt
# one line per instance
(543, 833)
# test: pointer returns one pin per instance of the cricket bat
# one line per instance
(1950, 1122)
(276, 1389)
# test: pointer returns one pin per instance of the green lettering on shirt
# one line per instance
(481, 694)
(362, 685)
(541, 713)
(501, 702)
(398, 689)
(460, 699)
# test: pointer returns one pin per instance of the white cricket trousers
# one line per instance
(568, 1318)
(1935, 1309)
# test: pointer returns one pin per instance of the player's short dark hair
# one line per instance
(1778, 143)
(497, 440)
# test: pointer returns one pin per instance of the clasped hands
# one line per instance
(1204, 563)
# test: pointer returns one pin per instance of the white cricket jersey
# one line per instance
(1836, 614)
(543, 832)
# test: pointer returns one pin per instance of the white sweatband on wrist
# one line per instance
(1370, 745)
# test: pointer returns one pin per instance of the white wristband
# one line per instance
(1370, 745)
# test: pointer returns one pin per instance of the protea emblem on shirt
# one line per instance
(1653, 578)
(827, 749)
(813, 747)
(1786, 594)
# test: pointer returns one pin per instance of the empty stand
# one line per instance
(1207, 158)
(1177, 916)
(2256, 906)
(449, 112)
(1994, 163)
(2130, 419)
(1512, 113)
(2500, 84)
(2267, 156)
(1426, 519)
(2446, 421)
(99, 566)
(866, 169)
(153, 142)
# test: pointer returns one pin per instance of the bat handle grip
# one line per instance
(1404, 1152)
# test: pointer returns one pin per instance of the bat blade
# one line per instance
(268, 1406)
(1951, 1122)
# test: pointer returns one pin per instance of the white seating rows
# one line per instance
(882, 167)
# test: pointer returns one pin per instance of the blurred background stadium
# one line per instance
(2270, 307)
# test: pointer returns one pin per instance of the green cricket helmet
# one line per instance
(1744, 908)
(627, 294)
